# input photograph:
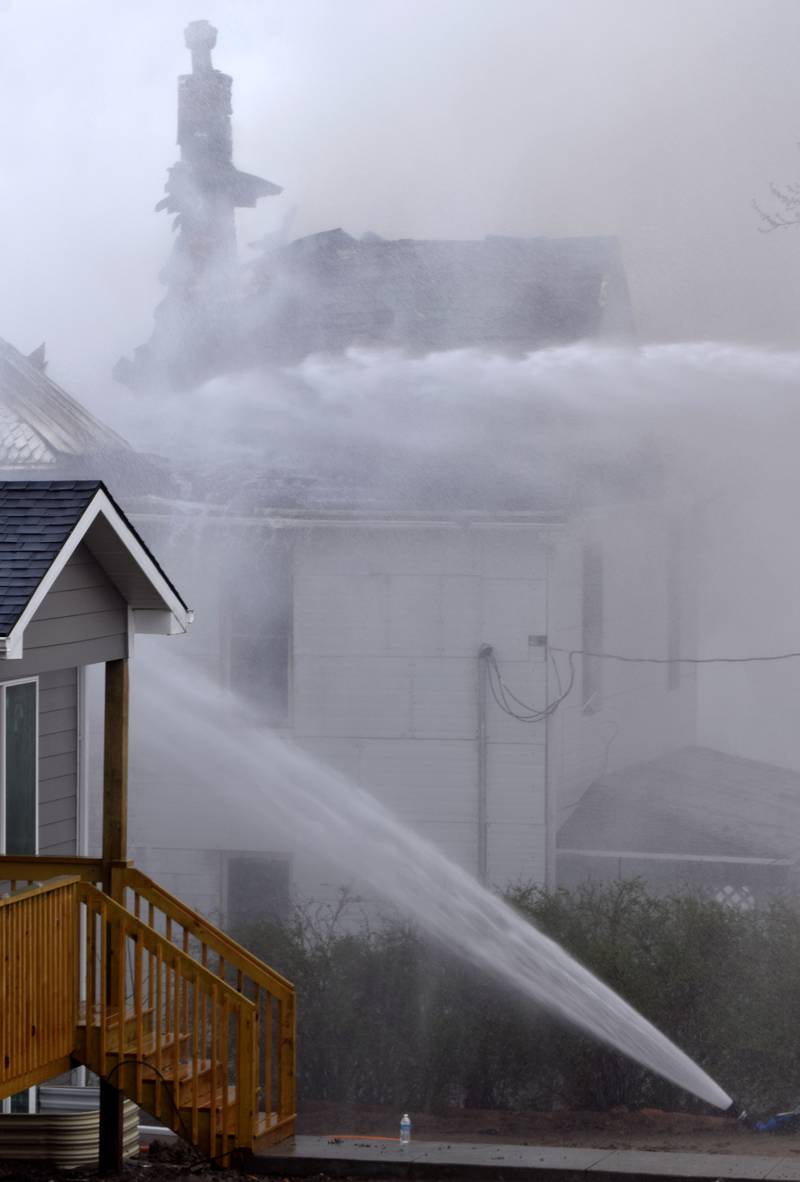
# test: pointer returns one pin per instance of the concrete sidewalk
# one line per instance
(365, 1158)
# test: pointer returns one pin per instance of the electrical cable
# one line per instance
(501, 692)
(582, 652)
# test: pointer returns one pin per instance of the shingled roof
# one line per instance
(697, 802)
(36, 519)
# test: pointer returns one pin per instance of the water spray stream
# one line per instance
(192, 731)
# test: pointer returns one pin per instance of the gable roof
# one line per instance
(41, 524)
(695, 801)
(39, 421)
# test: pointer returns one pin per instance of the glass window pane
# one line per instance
(20, 736)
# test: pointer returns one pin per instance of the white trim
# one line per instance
(82, 803)
(3, 836)
(100, 504)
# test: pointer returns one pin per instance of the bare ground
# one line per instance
(649, 1129)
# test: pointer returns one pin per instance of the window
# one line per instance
(18, 799)
(674, 593)
(257, 626)
(592, 636)
(19, 767)
(257, 889)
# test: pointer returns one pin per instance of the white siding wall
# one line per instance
(387, 628)
(58, 762)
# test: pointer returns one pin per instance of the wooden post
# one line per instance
(115, 853)
(115, 774)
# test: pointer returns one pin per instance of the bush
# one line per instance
(384, 1017)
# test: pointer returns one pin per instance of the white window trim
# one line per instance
(3, 687)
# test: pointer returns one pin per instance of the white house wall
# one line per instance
(387, 628)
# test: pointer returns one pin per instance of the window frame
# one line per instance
(3, 787)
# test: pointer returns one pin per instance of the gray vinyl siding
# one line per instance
(58, 762)
(83, 620)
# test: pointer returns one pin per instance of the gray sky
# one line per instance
(656, 120)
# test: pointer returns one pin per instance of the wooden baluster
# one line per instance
(150, 962)
(103, 988)
(120, 958)
(245, 1078)
(185, 946)
(266, 1036)
(224, 1052)
(138, 1009)
(158, 1021)
(176, 1037)
(195, 1058)
(214, 1049)
(204, 1009)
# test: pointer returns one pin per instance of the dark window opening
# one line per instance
(257, 626)
(19, 771)
(592, 667)
(258, 889)
(674, 592)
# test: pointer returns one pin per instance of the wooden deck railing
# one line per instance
(38, 974)
(166, 1031)
(17, 872)
(271, 994)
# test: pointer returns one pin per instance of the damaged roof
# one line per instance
(330, 291)
(695, 801)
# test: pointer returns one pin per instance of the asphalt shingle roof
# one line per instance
(36, 518)
(694, 801)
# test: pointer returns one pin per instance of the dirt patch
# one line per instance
(649, 1129)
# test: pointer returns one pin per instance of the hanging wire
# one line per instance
(504, 695)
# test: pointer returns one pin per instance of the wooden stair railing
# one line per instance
(149, 995)
(271, 994)
(38, 974)
(165, 1030)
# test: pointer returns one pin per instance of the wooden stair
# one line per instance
(173, 1013)
(190, 1046)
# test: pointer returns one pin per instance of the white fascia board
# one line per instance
(178, 616)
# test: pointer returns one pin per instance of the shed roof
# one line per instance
(694, 801)
(40, 520)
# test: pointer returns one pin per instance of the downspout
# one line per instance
(484, 652)
(550, 782)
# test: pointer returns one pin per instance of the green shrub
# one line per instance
(384, 1017)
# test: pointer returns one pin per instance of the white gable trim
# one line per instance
(174, 618)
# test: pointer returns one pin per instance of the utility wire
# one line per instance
(502, 693)
(582, 652)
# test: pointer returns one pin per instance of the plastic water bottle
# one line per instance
(405, 1130)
